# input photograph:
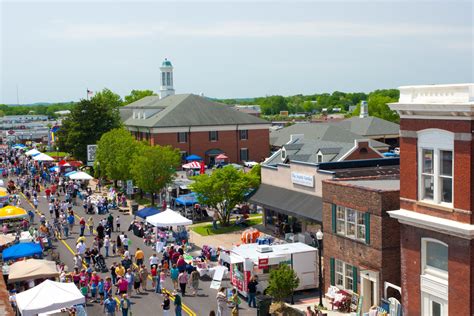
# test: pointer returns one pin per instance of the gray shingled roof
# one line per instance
(188, 110)
(369, 126)
(313, 131)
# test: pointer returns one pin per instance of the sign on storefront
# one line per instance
(302, 179)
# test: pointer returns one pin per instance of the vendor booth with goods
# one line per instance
(12, 217)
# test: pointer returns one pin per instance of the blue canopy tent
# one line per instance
(54, 169)
(22, 250)
(193, 158)
(147, 211)
(187, 199)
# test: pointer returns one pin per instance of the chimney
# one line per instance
(364, 109)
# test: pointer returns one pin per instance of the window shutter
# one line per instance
(354, 279)
(367, 228)
(217, 135)
(333, 218)
(178, 136)
(332, 269)
(210, 136)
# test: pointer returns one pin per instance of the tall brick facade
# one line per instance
(436, 219)
(380, 252)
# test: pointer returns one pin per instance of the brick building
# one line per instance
(196, 125)
(436, 199)
(361, 241)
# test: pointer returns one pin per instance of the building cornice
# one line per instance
(437, 224)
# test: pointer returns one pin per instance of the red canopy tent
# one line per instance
(221, 157)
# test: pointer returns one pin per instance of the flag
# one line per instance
(89, 92)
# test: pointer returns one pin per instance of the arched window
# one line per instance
(434, 257)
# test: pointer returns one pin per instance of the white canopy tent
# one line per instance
(32, 152)
(42, 157)
(48, 296)
(80, 175)
(168, 218)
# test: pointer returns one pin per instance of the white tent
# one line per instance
(32, 152)
(42, 157)
(48, 296)
(80, 175)
(168, 218)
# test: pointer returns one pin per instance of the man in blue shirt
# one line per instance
(110, 306)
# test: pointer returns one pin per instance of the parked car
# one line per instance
(250, 164)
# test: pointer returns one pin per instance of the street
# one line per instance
(148, 303)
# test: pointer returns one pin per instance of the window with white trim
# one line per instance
(243, 134)
(344, 275)
(350, 223)
(244, 154)
(213, 136)
(435, 160)
(182, 137)
(434, 257)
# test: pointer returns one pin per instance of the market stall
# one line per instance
(42, 157)
(168, 218)
(79, 175)
(147, 211)
(192, 165)
(22, 250)
(32, 269)
(193, 158)
(32, 152)
(38, 299)
(4, 197)
(12, 216)
(186, 199)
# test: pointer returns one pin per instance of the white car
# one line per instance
(250, 164)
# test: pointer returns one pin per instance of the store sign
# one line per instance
(262, 263)
(91, 151)
(302, 179)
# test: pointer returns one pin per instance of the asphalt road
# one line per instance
(148, 303)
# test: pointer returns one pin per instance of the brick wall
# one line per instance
(363, 152)
(5, 307)
(228, 141)
(461, 259)
(383, 252)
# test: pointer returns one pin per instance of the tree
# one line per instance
(136, 95)
(273, 104)
(282, 283)
(154, 167)
(224, 189)
(115, 150)
(88, 121)
(378, 107)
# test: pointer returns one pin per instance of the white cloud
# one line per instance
(249, 29)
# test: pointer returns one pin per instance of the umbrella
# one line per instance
(11, 211)
(48, 296)
(168, 218)
(192, 165)
(193, 157)
(221, 157)
(32, 269)
(22, 250)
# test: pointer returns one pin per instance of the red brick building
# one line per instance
(196, 125)
(436, 199)
(361, 241)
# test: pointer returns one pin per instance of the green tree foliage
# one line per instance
(273, 105)
(48, 109)
(154, 167)
(136, 95)
(224, 189)
(378, 105)
(115, 150)
(283, 281)
(88, 121)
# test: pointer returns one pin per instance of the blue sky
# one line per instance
(54, 51)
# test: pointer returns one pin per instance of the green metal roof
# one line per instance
(166, 63)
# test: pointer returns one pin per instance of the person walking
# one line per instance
(174, 276)
(221, 302)
(252, 291)
(110, 306)
(177, 305)
(235, 300)
(139, 255)
(195, 281)
(183, 281)
(143, 273)
(166, 304)
(90, 224)
(82, 225)
(106, 246)
(125, 305)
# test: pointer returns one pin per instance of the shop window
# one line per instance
(345, 275)
(436, 166)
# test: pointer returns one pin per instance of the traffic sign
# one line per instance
(11, 132)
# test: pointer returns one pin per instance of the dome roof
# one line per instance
(166, 63)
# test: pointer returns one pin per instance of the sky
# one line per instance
(55, 51)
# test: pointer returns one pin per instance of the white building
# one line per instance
(166, 88)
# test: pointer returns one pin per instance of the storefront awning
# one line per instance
(293, 203)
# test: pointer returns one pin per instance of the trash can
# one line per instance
(134, 207)
(263, 305)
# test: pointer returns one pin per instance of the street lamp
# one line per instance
(170, 189)
(319, 238)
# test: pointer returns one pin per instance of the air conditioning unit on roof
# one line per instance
(264, 248)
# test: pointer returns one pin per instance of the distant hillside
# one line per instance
(40, 103)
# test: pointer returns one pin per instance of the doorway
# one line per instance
(434, 306)
(369, 281)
